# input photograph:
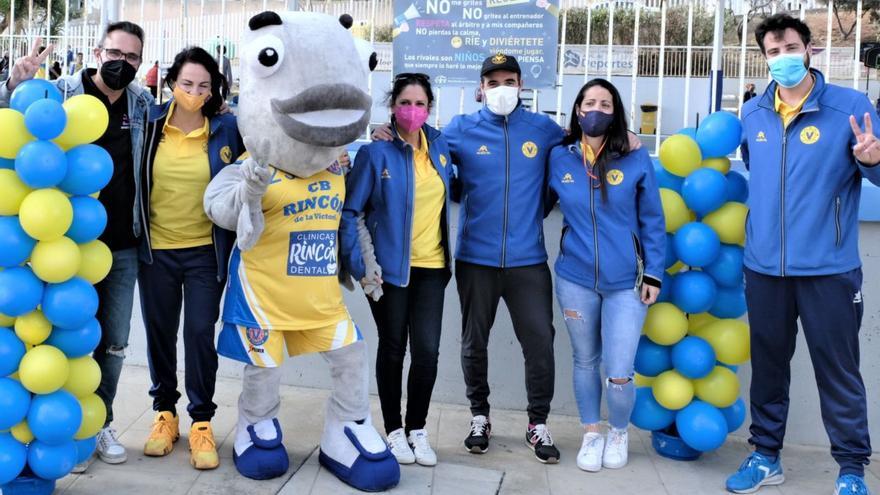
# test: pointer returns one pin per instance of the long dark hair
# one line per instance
(196, 55)
(401, 81)
(616, 137)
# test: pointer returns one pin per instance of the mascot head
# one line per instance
(303, 87)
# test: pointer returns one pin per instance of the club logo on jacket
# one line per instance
(386, 174)
(566, 179)
(226, 154)
(483, 150)
(810, 135)
(761, 137)
(614, 176)
(530, 149)
(443, 160)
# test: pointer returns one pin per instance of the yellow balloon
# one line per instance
(729, 222)
(730, 339)
(12, 192)
(87, 120)
(46, 214)
(33, 328)
(665, 324)
(674, 210)
(94, 414)
(84, 376)
(697, 322)
(680, 155)
(719, 388)
(672, 390)
(15, 134)
(22, 433)
(6, 321)
(43, 369)
(643, 381)
(95, 261)
(721, 164)
(55, 261)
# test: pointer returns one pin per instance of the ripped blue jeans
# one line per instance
(604, 328)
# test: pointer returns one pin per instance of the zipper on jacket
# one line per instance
(407, 214)
(837, 219)
(506, 193)
(145, 228)
(782, 198)
(595, 233)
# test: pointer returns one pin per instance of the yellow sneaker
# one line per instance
(163, 435)
(203, 449)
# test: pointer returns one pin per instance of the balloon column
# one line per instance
(693, 340)
(50, 257)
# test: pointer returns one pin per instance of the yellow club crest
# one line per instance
(226, 154)
(614, 176)
(443, 160)
(810, 134)
(529, 149)
(499, 58)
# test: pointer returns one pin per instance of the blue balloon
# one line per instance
(737, 187)
(647, 414)
(693, 292)
(14, 403)
(85, 448)
(730, 302)
(52, 462)
(666, 288)
(20, 291)
(7, 163)
(15, 244)
(41, 164)
(652, 359)
(665, 179)
(45, 119)
(13, 457)
(70, 304)
(704, 190)
(671, 257)
(727, 269)
(89, 168)
(89, 219)
(31, 91)
(693, 357)
(719, 134)
(702, 426)
(77, 342)
(54, 418)
(697, 244)
(11, 351)
(690, 132)
(735, 415)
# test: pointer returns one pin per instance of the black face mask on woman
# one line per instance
(595, 123)
(117, 74)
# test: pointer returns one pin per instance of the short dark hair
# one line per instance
(125, 26)
(401, 81)
(777, 24)
(196, 55)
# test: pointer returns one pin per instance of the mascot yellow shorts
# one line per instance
(266, 348)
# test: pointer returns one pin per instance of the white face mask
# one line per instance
(502, 100)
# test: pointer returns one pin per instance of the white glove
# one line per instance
(372, 281)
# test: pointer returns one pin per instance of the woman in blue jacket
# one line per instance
(395, 241)
(183, 254)
(610, 261)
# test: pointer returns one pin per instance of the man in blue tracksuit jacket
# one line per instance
(501, 152)
(807, 145)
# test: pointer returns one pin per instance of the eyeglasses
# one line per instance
(412, 75)
(114, 54)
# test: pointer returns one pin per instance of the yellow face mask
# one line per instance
(188, 102)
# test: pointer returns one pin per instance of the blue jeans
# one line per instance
(115, 299)
(604, 328)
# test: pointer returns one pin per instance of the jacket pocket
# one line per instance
(640, 262)
(837, 232)
(565, 230)
(464, 228)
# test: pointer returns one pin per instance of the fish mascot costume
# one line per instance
(303, 98)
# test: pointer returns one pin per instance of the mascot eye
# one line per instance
(265, 55)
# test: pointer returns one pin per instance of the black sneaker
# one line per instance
(538, 439)
(477, 441)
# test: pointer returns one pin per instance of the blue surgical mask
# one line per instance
(788, 69)
(595, 123)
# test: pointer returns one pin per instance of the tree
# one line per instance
(39, 15)
(845, 14)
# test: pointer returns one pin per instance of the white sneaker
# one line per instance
(590, 456)
(421, 448)
(616, 449)
(109, 449)
(82, 466)
(400, 447)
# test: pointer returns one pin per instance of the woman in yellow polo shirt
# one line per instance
(401, 188)
(185, 256)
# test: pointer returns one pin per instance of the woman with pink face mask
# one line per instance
(395, 240)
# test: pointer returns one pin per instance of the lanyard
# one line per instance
(589, 166)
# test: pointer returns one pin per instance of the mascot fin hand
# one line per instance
(257, 177)
(373, 271)
(356, 454)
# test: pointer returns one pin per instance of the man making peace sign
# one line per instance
(801, 257)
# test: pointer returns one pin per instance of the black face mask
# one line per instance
(117, 74)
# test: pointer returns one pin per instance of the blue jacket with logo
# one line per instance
(224, 147)
(502, 164)
(804, 183)
(382, 185)
(608, 245)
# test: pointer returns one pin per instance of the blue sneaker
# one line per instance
(850, 484)
(756, 471)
